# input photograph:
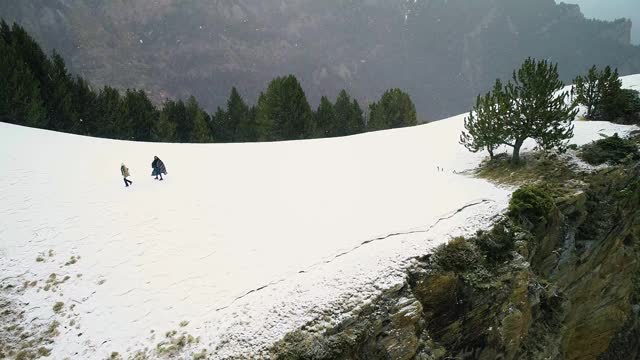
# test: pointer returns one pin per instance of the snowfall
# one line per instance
(240, 244)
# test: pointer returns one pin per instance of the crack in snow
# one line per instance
(427, 230)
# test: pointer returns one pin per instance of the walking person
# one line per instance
(158, 168)
(125, 174)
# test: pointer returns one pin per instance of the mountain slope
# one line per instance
(242, 242)
(442, 52)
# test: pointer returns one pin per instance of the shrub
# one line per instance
(459, 255)
(57, 307)
(532, 203)
(497, 244)
(613, 150)
(622, 106)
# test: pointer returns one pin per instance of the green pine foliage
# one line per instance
(86, 103)
(612, 150)
(357, 124)
(198, 122)
(602, 94)
(216, 125)
(239, 126)
(342, 110)
(283, 112)
(343, 118)
(539, 107)
(139, 110)
(263, 120)
(609, 88)
(630, 106)
(39, 91)
(484, 127)
(586, 90)
(63, 110)
(176, 112)
(394, 110)
(458, 255)
(235, 113)
(530, 106)
(349, 118)
(531, 205)
(325, 118)
(109, 112)
(620, 106)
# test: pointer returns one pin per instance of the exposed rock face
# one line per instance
(392, 325)
(570, 290)
(620, 32)
(442, 52)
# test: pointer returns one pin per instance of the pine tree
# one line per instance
(165, 129)
(395, 109)
(631, 106)
(85, 101)
(176, 112)
(343, 112)
(325, 118)
(600, 92)
(283, 111)
(539, 107)
(20, 100)
(611, 99)
(109, 113)
(62, 115)
(264, 121)
(531, 106)
(216, 125)
(247, 128)
(29, 52)
(586, 89)
(197, 120)
(253, 121)
(238, 126)
(356, 124)
(140, 116)
(485, 124)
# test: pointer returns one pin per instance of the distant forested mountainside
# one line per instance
(442, 52)
(37, 90)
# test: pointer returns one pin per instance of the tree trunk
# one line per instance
(490, 150)
(516, 151)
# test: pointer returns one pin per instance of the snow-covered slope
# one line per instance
(245, 242)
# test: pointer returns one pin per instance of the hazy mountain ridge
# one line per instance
(441, 52)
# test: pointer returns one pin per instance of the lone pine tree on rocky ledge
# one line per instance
(532, 105)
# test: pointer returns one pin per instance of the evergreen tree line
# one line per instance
(535, 105)
(39, 91)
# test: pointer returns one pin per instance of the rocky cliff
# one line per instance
(442, 52)
(557, 278)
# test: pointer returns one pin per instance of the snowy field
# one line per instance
(240, 244)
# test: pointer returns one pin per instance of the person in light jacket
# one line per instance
(125, 174)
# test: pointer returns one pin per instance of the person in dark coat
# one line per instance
(158, 168)
(125, 174)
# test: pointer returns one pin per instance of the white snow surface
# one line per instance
(246, 242)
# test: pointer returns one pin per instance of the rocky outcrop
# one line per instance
(387, 329)
(620, 31)
(557, 278)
